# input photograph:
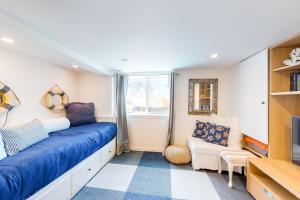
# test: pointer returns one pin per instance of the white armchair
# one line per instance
(205, 155)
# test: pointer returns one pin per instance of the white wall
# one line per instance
(147, 133)
(98, 89)
(30, 79)
(184, 123)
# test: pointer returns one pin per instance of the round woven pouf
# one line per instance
(178, 154)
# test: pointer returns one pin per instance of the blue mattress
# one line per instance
(25, 173)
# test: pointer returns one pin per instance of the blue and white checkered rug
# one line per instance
(148, 176)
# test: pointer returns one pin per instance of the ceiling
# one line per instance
(152, 35)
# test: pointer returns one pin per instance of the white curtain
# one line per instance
(120, 105)
(170, 135)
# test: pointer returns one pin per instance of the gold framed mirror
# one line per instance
(203, 96)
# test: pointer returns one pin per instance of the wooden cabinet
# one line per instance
(268, 179)
(252, 96)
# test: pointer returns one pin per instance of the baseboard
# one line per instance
(146, 149)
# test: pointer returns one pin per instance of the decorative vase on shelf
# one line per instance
(294, 58)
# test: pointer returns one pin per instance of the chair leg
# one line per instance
(220, 164)
(230, 171)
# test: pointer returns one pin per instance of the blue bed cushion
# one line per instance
(25, 173)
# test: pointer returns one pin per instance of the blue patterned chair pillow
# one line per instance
(217, 134)
(200, 130)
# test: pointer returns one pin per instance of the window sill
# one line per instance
(147, 115)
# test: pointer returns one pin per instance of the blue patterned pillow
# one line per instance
(217, 134)
(20, 137)
(201, 129)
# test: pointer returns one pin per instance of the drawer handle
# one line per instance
(268, 194)
(89, 169)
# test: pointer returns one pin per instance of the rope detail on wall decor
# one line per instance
(8, 100)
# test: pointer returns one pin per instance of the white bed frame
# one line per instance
(70, 183)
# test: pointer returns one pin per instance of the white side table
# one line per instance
(234, 159)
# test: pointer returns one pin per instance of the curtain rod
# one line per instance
(147, 73)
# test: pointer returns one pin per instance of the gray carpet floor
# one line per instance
(148, 176)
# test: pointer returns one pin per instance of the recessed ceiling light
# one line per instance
(215, 55)
(75, 66)
(8, 40)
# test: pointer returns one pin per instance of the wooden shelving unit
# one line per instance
(276, 177)
(268, 179)
(288, 68)
(283, 103)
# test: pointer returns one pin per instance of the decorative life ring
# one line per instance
(8, 100)
(55, 99)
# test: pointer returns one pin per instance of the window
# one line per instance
(148, 94)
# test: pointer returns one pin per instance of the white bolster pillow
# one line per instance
(2, 149)
(56, 124)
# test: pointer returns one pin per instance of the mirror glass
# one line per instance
(203, 96)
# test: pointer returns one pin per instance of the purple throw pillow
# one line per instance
(80, 113)
(200, 130)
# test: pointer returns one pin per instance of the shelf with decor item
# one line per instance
(288, 68)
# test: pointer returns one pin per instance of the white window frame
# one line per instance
(147, 113)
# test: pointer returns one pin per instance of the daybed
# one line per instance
(53, 163)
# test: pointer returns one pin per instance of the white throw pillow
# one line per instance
(56, 124)
(2, 149)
